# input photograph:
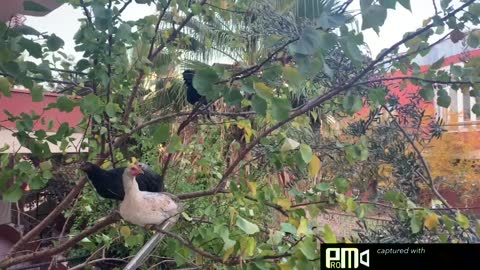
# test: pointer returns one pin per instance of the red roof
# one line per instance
(21, 102)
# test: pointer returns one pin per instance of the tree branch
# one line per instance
(329, 95)
(42, 80)
(51, 216)
(160, 18)
(231, 262)
(87, 13)
(122, 9)
(253, 69)
(152, 56)
(274, 206)
(173, 36)
(416, 51)
(420, 157)
(101, 224)
(414, 79)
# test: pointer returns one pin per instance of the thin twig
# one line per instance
(87, 13)
(420, 157)
(435, 7)
(226, 9)
(274, 206)
(122, 9)
(42, 80)
(87, 263)
(253, 69)
(416, 51)
(160, 18)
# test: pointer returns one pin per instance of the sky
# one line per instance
(64, 23)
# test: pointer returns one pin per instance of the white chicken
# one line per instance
(146, 208)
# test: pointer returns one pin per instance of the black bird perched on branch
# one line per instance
(192, 95)
(108, 183)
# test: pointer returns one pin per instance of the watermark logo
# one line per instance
(346, 258)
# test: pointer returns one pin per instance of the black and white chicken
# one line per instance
(146, 208)
(109, 184)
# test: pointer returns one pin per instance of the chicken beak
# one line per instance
(139, 169)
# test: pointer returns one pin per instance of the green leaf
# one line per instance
(204, 81)
(308, 247)
(82, 65)
(463, 221)
(27, 30)
(125, 231)
(63, 104)
(310, 66)
(289, 144)
(322, 186)
(309, 42)
(351, 205)
(438, 64)
(124, 31)
(341, 184)
(36, 183)
(388, 3)
(360, 211)
(247, 226)
(288, 228)
(37, 93)
(328, 40)
(111, 109)
(377, 96)
(247, 246)
(306, 152)
(475, 92)
(373, 16)
(448, 222)
(292, 76)
(259, 105)
(54, 43)
(5, 87)
(46, 165)
(474, 9)
(473, 40)
(50, 125)
(263, 90)
(427, 93)
(161, 134)
(196, 9)
(476, 109)
(415, 224)
(233, 97)
(91, 104)
(352, 104)
(280, 108)
(13, 194)
(32, 6)
(444, 100)
(443, 237)
(175, 144)
(405, 4)
(328, 235)
(33, 48)
(44, 69)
